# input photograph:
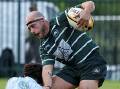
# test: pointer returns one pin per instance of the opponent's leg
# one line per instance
(59, 83)
(88, 84)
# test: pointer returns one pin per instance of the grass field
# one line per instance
(2, 83)
(106, 85)
(111, 85)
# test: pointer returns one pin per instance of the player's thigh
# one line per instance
(59, 83)
(88, 84)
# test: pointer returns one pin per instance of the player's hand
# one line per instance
(84, 19)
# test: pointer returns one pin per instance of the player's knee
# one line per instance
(59, 83)
(88, 84)
(83, 87)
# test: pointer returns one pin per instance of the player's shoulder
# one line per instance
(11, 83)
(29, 79)
(59, 20)
(22, 83)
(13, 79)
(32, 82)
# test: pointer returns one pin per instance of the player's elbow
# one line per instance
(92, 5)
(89, 6)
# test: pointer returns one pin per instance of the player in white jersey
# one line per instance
(32, 78)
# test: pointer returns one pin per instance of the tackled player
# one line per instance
(32, 78)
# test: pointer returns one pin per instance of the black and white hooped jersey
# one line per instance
(65, 44)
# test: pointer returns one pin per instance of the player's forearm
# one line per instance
(88, 6)
(47, 75)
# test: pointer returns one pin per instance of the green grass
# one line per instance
(3, 83)
(106, 85)
(111, 85)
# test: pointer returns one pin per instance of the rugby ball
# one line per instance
(73, 16)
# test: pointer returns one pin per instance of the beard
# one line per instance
(42, 34)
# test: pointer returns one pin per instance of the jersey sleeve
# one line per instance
(78, 6)
(45, 57)
(61, 19)
(10, 83)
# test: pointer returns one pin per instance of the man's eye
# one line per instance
(32, 26)
(29, 29)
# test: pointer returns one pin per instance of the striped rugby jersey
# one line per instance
(65, 44)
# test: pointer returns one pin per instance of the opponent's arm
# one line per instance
(47, 76)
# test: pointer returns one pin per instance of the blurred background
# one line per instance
(18, 47)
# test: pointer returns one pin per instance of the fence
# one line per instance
(12, 29)
(106, 30)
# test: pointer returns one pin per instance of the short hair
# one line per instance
(34, 70)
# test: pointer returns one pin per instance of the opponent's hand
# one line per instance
(84, 19)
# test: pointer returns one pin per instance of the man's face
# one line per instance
(37, 27)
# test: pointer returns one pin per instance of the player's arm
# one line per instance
(80, 17)
(88, 8)
(47, 76)
(47, 62)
